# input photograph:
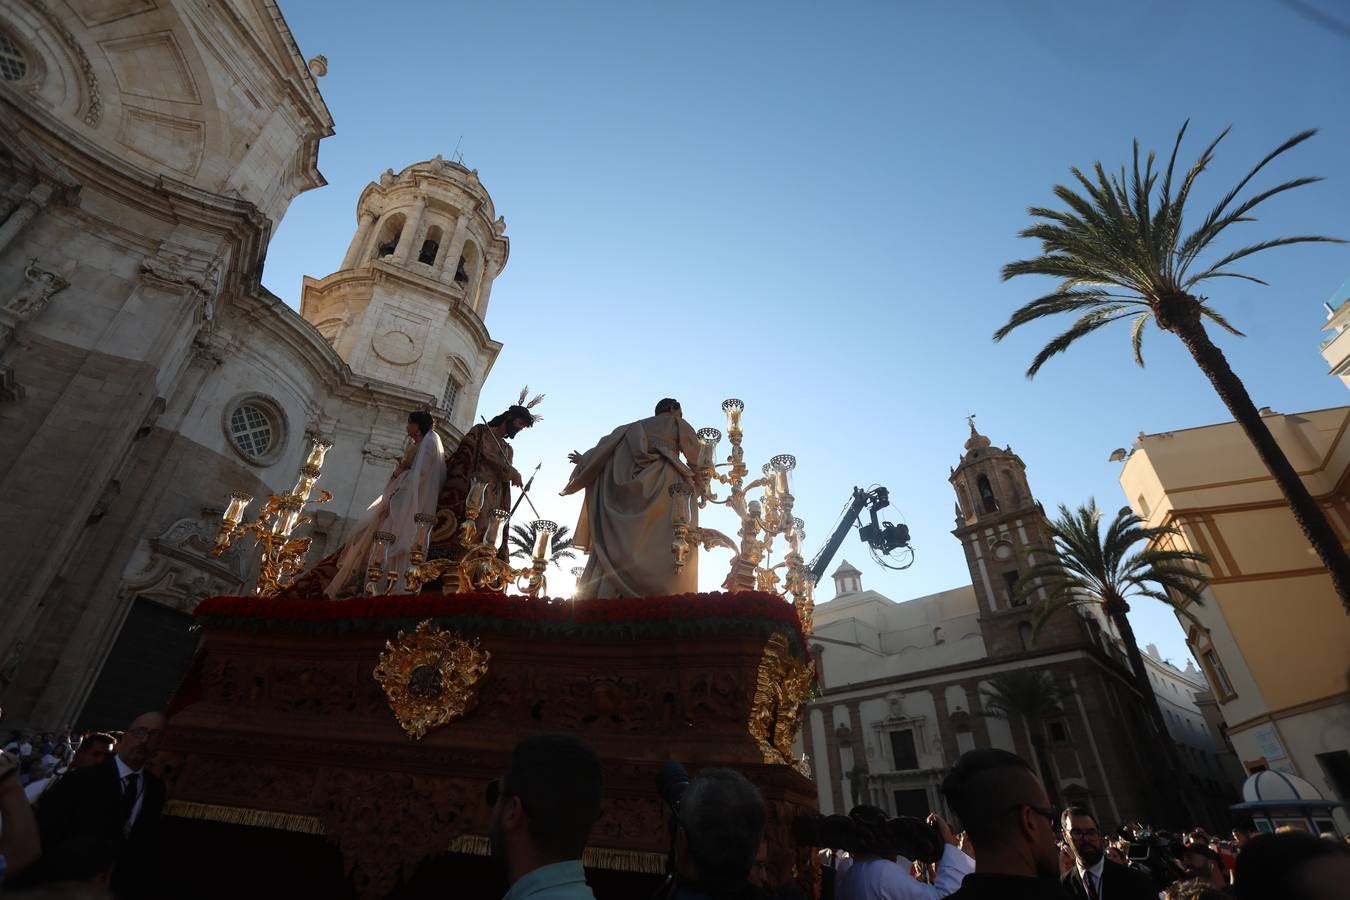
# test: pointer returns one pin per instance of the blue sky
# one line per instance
(807, 205)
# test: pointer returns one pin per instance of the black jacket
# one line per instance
(88, 803)
(1118, 883)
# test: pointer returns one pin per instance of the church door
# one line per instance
(150, 657)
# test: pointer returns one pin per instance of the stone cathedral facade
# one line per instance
(147, 153)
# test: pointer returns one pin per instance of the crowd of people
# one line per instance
(1013, 844)
(76, 809)
(76, 812)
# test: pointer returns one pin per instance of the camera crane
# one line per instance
(882, 538)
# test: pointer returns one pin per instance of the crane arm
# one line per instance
(821, 560)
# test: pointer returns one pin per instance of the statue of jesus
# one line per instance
(625, 523)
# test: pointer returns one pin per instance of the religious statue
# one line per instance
(626, 524)
(39, 286)
(413, 489)
(484, 455)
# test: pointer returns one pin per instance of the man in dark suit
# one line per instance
(117, 801)
(1093, 876)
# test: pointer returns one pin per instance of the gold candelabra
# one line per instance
(480, 568)
(763, 519)
(282, 557)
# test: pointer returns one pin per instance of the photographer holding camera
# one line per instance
(882, 859)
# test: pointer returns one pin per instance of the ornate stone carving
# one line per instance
(781, 688)
(93, 112)
(430, 677)
(382, 821)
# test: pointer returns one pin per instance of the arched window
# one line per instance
(390, 232)
(986, 494)
(451, 392)
(431, 246)
(13, 65)
(470, 264)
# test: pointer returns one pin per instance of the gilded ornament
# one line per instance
(782, 685)
(430, 677)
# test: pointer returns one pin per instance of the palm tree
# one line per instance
(1117, 257)
(523, 537)
(1083, 567)
(1032, 696)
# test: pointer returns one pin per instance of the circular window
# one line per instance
(256, 428)
(251, 430)
(13, 65)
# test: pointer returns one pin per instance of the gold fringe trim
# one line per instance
(238, 815)
(641, 861)
(472, 844)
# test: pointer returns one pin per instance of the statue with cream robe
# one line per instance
(625, 523)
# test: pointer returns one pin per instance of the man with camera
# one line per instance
(882, 861)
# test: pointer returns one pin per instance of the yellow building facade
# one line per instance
(1273, 638)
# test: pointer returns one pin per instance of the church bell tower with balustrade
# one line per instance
(408, 305)
(999, 522)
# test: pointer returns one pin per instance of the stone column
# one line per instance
(485, 287)
(454, 247)
(407, 242)
(359, 242)
(23, 214)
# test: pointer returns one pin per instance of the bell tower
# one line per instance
(407, 307)
(999, 522)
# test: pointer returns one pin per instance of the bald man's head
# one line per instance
(142, 736)
(1003, 806)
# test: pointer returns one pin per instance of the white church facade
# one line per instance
(147, 155)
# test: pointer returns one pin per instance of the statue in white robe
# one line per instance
(413, 488)
(625, 523)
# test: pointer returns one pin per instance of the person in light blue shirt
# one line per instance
(542, 812)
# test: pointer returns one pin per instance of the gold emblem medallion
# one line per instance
(430, 677)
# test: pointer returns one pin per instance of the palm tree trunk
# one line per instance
(1171, 786)
(1310, 517)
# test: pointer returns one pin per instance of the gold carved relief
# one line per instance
(782, 685)
(430, 677)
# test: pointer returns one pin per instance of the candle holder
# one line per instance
(379, 580)
(764, 516)
(281, 556)
(705, 470)
(681, 514)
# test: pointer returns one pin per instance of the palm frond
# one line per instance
(1137, 336)
(1211, 227)
(1083, 327)
(1084, 564)
(1214, 270)
(1118, 241)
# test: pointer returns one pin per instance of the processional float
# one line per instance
(285, 721)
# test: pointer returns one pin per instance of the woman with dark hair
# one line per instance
(412, 489)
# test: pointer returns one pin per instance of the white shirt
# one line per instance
(37, 788)
(123, 770)
(882, 879)
(1096, 874)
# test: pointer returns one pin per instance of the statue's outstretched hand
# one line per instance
(515, 479)
(574, 458)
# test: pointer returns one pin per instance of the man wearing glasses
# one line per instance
(1005, 811)
(1093, 876)
(542, 811)
(117, 801)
